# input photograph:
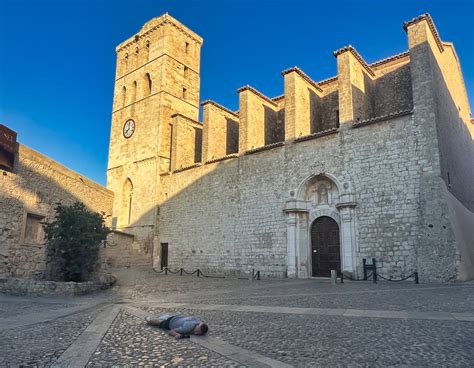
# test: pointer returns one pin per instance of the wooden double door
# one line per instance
(325, 247)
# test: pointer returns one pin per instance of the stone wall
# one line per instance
(436, 101)
(229, 215)
(24, 287)
(123, 251)
(28, 197)
(386, 135)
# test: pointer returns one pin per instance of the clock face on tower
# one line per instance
(128, 128)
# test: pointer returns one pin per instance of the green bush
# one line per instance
(73, 239)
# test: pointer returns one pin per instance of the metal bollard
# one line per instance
(333, 277)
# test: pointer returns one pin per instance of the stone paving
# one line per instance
(267, 323)
(41, 344)
(130, 340)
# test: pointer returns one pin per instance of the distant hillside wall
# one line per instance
(27, 199)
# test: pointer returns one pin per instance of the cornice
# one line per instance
(278, 98)
(302, 75)
(354, 52)
(431, 24)
(316, 135)
(219, 106)
(328, 80)
(378, 119)
(167, 19)
(264, 148)
(194, 122)
(259, 94)
(390, 59)
(223, 158)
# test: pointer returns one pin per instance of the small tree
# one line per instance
(74, 238)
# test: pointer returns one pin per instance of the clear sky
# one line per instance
(57, 57)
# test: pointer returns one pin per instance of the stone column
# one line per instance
(296, 211)
(348, 238)
(291, 244)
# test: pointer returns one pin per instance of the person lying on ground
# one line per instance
(178, 326)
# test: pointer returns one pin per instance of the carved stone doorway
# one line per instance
(325, 247)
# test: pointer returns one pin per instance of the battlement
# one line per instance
(360, 94)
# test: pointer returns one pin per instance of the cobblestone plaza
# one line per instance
(278, 323)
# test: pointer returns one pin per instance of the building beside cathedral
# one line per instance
(375, 162)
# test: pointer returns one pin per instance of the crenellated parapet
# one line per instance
(220, 134)
(355, 86)
(360, 94)
(261, 120)
(186, 142)
(303, 103)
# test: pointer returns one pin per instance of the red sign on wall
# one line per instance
(7, 138)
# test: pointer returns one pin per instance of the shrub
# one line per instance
(73, 240)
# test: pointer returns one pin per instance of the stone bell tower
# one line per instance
(157, 76)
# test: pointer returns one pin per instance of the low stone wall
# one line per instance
(29, 287)
(123, 251)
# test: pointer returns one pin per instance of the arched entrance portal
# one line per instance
(325, 247)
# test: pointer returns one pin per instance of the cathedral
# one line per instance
(374, 162)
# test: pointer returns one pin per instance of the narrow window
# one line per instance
(134, 91)
(337, 118)
(125, 62)
(186, 71)
(186, 47)
(147, 48)
(147, 85)
(124, 96)
(449, 180)
(127, 196)
(185, 93)
(136, 58)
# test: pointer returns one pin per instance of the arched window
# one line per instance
(134, 91)
(125, 61)
(124, 95)
(127, 200)
(147, 50)
(147, 85)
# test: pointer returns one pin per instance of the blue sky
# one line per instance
(57, 57)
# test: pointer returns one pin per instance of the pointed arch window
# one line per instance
(127, 201)
(125, 60)
(134, 91)
(147, 50)
(147, 84)
(124, 96)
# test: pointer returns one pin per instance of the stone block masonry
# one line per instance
(27, 199)
(370, 152)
